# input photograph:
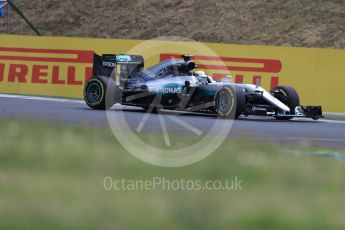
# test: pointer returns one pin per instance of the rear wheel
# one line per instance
(240, 101)
(97, 95)
(289, 97)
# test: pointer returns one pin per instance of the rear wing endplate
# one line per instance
(104, 65)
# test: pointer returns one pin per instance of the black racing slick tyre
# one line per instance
(289, 97)
(229, 102)
(99, 93)
(240, 101)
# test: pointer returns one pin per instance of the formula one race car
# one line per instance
(172, 85)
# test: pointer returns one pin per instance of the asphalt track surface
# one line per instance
(322, 133)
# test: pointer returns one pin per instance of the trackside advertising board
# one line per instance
(57, 66)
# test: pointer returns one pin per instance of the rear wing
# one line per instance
(104, 65)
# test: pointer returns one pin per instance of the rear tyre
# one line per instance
(97, 95)
(289, 97)
(240, 101)
(229, 102)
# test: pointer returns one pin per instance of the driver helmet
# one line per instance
(200, 75)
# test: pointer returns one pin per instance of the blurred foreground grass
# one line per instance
(51, 177)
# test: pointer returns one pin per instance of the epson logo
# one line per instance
(108, 64)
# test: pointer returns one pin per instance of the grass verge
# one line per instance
(51, 177)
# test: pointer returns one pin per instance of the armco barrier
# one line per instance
(56, 66)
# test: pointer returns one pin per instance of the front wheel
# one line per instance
(97, 95)
(289, 97)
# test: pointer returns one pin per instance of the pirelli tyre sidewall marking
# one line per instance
(87, 85)
(230, 92)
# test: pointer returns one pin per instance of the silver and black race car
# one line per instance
(172, 85)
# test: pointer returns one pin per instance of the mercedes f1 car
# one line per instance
(173, 85)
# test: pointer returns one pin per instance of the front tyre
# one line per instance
(289, 97)
(96, 94)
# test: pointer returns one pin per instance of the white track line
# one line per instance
(36, 98)
(333, 121)
(321, 120)
(78, 101)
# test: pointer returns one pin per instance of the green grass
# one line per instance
(51, 177)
